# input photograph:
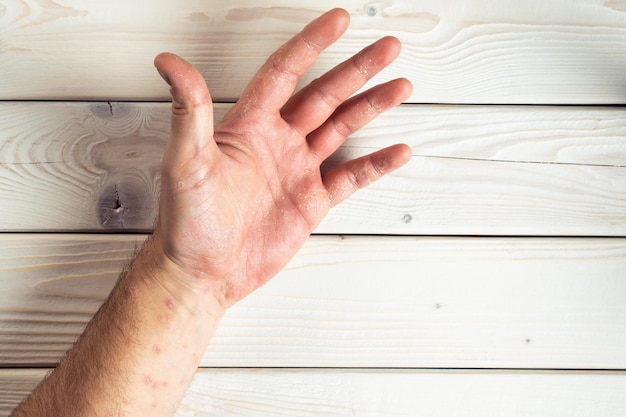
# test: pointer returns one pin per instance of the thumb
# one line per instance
(192, 109)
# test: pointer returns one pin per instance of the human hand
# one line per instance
(239, 200)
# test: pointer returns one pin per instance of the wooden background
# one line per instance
(487, 277)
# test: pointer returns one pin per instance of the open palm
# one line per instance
(239, 200)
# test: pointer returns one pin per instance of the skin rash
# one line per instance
(237, 202)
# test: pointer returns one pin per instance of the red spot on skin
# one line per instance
(132, 291)
(154, 404)
(148, 380)
(170, 303)
(155, 385)
(164, 384)
(156, 349)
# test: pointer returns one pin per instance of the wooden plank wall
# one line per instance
(487, 277)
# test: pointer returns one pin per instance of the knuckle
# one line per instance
(328, 97)
(361, 176)
(309, 43)
(373, 106)
(362, 67)
(282, 68)
(343, 128)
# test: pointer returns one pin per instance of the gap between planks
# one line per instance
(554, 303)
(541, 51)
(556, 171)
(346, 392)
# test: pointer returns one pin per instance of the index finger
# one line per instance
(275, 81)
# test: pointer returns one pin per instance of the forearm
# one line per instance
(138, 354)
(237, 202)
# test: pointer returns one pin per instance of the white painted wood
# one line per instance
(559, 51)
(369, 393)
(69, 165)
(355, 302)
(15, 385)
(475, 170)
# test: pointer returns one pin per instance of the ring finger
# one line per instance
(312, 105)
(356, 113)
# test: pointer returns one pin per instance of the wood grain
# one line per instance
(382, 325)
(355, 302)
(64, 161)
(478, 170)
(340, 392)
(505, 52)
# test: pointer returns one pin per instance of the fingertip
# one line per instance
(405, 153)
(160, 63)
(393, 44)
(163, 56)
(395, 40)
(188, 86)
(330, 26)
(405, 88)
(341, 14)
(168, 63)
(396, 92)
(381, 53)
(392, 158)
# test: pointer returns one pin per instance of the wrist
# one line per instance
(152, 267)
